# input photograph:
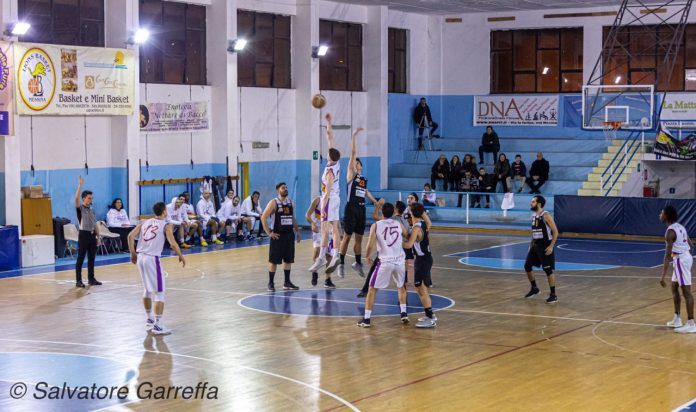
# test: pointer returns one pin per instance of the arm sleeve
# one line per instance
(111, 220)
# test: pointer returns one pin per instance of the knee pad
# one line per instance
(548, 271)
(159, 297)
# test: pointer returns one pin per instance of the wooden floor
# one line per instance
(600, 348)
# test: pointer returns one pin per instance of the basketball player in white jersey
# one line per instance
(420, 242)
(152, 234)
(388, 234)
(678, 250)
(330, 203)
(313, 217)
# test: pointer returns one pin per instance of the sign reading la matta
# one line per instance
(73, 80)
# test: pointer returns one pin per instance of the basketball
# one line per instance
(318, 101)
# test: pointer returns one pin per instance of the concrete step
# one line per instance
(597, 192)
(588, 159)
(563, 187)
(521, 144)
(557, 173)
(595, 183)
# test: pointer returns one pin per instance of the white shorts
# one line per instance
(151, 273)
(386, 270)
(316, 239)
(682, 268)
(331, 209)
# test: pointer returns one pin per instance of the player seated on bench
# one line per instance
(206, 214)
(177, 217)
(230, 216)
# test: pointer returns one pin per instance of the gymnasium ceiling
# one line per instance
(480, 6)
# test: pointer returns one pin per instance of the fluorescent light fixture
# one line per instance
(20, 29)
(565, 80)
(617, 80)
(545, 71)
(239, 44)
(140, 36)
(319, 51)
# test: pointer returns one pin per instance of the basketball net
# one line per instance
(610, 129)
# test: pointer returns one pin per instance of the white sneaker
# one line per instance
(426, 323)
(160, 329)
(321, 261)
(333, 265)
(358, 268)
(149, 324)
(341, 271)
(425, 317)
(675, 323)
(688, 328)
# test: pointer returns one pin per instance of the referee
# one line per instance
(88, 239)
(283, 235)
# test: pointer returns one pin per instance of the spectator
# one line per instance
(177, 217)
(440, 171)
(519, 173)
(489, 144)
(429, 197)
(423, 119)
(502, 172)
(470, 165)
(206, 214)
(455, 165)
(117, 221)
(538, 174)
(486, 185)
(469, 183)
(251, 212)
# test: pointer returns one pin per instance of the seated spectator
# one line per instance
(190, 210)
(206, 213)
(502, 172)
(469, 183)
(489, 144)
(455, 165)
(251, 212)
(486, 184)
(519, 173)
(117, 221)
(428, 195)
(538, 174)
(470, 165)
(229, 198)
(177, 217)
(440, 171)
(424, 119)
(230, 215)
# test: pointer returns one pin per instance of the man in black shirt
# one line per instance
(544, 236)
(486, 184)
(423, 119)
(440, 171)
(489, 144)
(539, 174)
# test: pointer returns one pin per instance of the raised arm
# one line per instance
(377, 212)
(77, 193)
(353, 155)
(329, 131)
(270, 209)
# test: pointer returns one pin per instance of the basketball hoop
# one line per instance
(610, 129)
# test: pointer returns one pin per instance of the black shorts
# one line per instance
(354, 219)
(537, 257)
(421, 270)
(282, 250)
(409, 254)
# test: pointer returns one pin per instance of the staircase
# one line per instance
(613, 169)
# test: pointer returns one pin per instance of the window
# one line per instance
(397, 60)
(265, 61)
(70, 22)
(341, 67)
(647, 45)
(175, 52)
(536, 61)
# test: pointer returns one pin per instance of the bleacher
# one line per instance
(571, 161)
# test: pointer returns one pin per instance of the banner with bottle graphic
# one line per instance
(73, 80)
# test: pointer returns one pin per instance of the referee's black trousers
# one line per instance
(86, 245)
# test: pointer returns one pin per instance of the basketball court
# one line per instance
(604, 346)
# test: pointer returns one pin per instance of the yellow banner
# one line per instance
(73, 80)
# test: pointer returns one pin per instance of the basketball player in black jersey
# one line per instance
(354, 215)
(282, 235)
(544, 236)
(420, 242)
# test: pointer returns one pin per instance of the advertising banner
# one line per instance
(517, 110)
(6, 90)
(178, 117)
(72, 80)
(679, 106)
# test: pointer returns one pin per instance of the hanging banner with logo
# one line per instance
(72, 80)
(174, 117)
(6, 90)
(679, 106)
(516, 110)
(669, 146)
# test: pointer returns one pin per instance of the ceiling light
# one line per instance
(545, 71)
(617, 80)
(20, 29)
(319, 51)
(140, 36)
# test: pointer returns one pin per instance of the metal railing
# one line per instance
(619, 163)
